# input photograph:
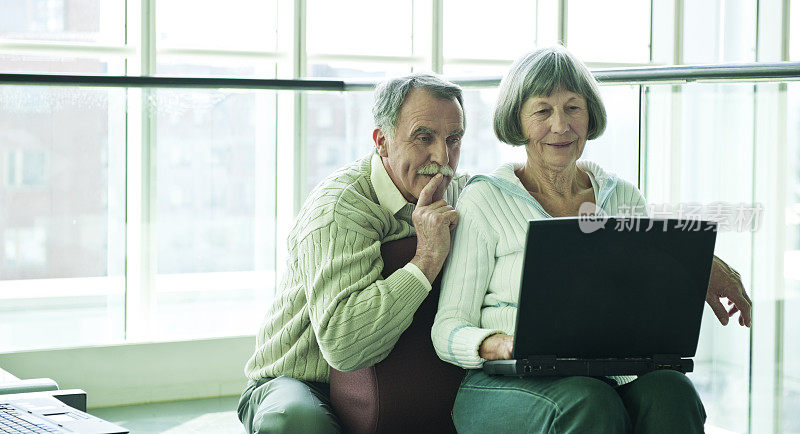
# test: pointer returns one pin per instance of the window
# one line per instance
(591, 38)
(62, 222)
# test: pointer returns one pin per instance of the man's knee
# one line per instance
(295, 417)
(286, 405)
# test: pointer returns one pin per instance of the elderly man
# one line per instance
(333, 309)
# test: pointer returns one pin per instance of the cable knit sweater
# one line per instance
(481, 280)
(332, 307)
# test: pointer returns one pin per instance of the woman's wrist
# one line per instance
(496, 347)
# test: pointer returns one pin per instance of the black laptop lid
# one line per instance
(615, 292)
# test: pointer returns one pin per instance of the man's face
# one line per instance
(428, 136)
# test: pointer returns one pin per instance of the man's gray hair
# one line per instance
(390, 95)
(539, 73)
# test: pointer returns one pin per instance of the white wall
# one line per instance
(138, 373)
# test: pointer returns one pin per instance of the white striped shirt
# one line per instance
(481, 281)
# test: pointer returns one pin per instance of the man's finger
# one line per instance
(441, 203)
(451, 215)
(454, 223)
(719, 310)
(426, 195)
(443, 208)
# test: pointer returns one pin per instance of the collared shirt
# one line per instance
(390, 198)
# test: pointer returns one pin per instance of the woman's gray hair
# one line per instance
(539, 73)
(390, 95)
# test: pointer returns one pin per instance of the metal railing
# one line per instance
(658, 74)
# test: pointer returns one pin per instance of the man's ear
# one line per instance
(381, 141)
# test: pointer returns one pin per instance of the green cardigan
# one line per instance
(332, 307)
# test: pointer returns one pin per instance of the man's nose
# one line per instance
(558, 123)
(440, 152)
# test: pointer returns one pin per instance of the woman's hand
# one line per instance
(725, 282)
(496, 347)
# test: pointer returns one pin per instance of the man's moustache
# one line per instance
(433, 169)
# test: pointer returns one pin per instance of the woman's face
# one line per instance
(556, 127)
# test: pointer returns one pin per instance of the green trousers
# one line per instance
(657, 402)
(287, 405)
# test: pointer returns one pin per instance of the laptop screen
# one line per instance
(616, 292)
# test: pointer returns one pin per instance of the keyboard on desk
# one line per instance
(14, 420)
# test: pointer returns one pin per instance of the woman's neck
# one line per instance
(563, 182)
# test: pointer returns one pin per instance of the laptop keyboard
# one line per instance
(13, 420)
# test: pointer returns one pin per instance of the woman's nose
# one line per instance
(559, 124)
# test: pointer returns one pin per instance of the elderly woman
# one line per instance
(548, 102)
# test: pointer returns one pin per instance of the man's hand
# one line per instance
(726, 282)
(433, 222)
(496, 347)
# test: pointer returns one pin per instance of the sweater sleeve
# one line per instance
(356, 315)
(456, 332)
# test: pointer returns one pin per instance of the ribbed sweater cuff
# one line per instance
(408, 287)
(463, 345)
(413, 269)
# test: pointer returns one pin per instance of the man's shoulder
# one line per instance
(346, 191)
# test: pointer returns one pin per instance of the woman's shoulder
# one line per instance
(605, 177)
(610, 184)
(488, 187)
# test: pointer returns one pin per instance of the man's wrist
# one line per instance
(428, 265)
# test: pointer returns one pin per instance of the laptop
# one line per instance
(40, 412)
(605, 296)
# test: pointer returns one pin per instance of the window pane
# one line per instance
(173, 66)
(339, 131)
(794, 33)
(360, 27)
(617, 150)
(215, 211)
(481, 152)
(467, 69)
(474, 29)
(719, 31)
(702, 156)
(62, 239)
(236, 24)
(63, 65)
(791, 277)
(609, 31)
(358, 69)
(100, 21)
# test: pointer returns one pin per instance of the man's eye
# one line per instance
(542, 112)
(453, 140)
(423, 139)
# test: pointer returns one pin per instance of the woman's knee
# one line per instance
(665, 387)
(665, 399)
(592, 404)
